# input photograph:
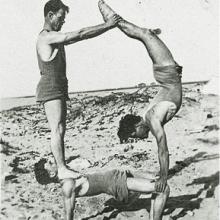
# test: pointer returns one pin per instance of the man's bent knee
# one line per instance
(59, 129)
(68, 187)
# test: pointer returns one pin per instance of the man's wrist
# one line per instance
(163, 176)
(109, 26)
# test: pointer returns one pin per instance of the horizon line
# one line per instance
(139, 86)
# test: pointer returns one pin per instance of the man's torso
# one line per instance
(52, 64)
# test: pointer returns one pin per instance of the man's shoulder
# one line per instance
(42, 36)
(45, 34)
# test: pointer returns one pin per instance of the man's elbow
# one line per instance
(82, 34)
(163, 151)
(70, 38)
(65, 38)
(162, 146)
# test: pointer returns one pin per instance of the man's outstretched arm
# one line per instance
(163, 153)
(54, 37)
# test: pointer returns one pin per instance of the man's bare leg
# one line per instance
(157, 50)
(144, 174)
(158, 200)
(68, 188)
(56, 116)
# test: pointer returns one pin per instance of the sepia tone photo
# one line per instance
(109, 110)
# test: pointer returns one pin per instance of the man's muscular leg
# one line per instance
(56, 116)
(157, 50)
(158, 200)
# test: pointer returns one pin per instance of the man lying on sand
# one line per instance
(120, 184)
(167, 101)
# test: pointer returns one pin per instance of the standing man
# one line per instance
(167, 101)
(52, 89)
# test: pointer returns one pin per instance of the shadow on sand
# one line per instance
(180, 165)
(184, 203)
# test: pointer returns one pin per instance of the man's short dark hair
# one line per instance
(127, 126)
(54, 6)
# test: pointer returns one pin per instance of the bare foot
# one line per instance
(105, 10)
(65, 173)
(156, 31)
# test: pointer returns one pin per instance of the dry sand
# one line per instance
(92, 136)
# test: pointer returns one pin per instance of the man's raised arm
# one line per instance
(54, 37)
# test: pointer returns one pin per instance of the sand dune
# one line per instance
(92, 121)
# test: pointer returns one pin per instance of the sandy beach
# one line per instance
(92, 145)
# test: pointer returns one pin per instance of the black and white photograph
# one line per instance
(109, 109)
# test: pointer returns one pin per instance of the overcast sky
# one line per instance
(189, 28)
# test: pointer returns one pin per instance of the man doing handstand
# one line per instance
(167, 101)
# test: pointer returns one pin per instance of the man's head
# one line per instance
(55, 13)
(132, 126)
